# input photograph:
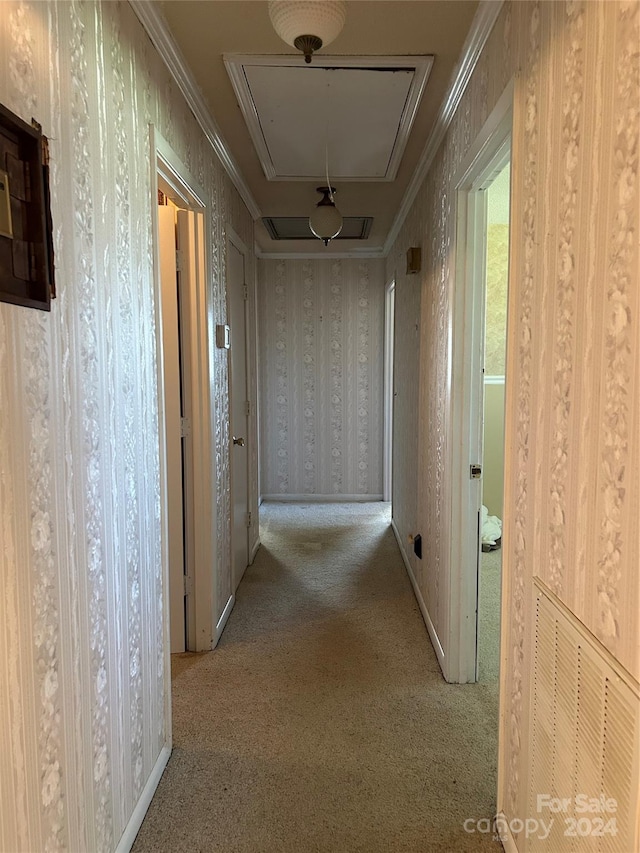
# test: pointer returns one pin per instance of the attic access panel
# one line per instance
(297, 228)
(26, 256)
(358, 110)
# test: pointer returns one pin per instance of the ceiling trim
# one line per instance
(235, 64)
(315, 256)
(158, 31)
(481, 27)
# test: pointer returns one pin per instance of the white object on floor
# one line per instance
(491, 527)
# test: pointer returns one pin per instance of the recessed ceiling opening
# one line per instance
(355, 112)
(297, 228)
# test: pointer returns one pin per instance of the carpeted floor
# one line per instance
(489, 619)
(321, 722)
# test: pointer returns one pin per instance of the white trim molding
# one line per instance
(503, 830)
(319, 255)
(135, 821)
(481, 27)
(222, 621)
(255, 549)
(158, 31)
(433, 635)
(323, 499)
(465, 394)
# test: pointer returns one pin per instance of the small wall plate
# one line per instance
(223, 336)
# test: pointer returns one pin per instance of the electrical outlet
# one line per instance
(417, 546)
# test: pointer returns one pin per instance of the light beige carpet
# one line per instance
(489, 618)
(321, 722)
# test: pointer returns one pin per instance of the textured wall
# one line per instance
(81, 645)
(493, 448)
(572, 397)
(321, 358)
(496, 310)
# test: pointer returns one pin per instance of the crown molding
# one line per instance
(481, 27)
(156, 28)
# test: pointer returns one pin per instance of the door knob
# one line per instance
(238, 441)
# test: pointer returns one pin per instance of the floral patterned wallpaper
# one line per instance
(321, 344)
(82, 656)
(573, 415)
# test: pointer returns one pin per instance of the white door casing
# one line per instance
(181, 187)
(486, 156)
(239, 409)
(389, 389)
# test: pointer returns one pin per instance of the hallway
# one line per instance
(321, 722)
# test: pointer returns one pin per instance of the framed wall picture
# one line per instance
(26, 250)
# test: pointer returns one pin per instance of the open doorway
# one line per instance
(484, 163)
(389, 390)
(172, 232)
(496, 280)
(187, 495)
(237, 304)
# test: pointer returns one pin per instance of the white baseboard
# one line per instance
(254, 550)
(135, 821)
(506, 838)
(435, 642)
(222, 621)
(329, 499)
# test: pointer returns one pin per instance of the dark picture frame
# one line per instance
(26, 244)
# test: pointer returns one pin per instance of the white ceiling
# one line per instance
(194, 36)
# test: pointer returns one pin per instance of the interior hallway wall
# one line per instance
(573, 425)
(82, 692)
(321, 346)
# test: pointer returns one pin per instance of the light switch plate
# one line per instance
(223, 337)
(6, 229)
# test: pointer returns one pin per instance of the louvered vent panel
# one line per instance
(585, 740)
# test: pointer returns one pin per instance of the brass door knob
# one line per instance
(238, 441)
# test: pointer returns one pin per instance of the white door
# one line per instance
(389, 390)
(187, 286)
(173, 424)
(237, 301)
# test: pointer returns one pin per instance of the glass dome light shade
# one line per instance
(293, 19)
(325, 220)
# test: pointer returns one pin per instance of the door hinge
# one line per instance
(179, 260)
(188, 585)
(248, 519)
(475, 472)
(247, 408)
(245, 291)
(185, 427)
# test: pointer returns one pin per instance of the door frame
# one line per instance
(389, 351)
(166, 163)
(466, 387)
(234, 239)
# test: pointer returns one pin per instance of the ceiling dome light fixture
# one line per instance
(326, 220)
(307, 25)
